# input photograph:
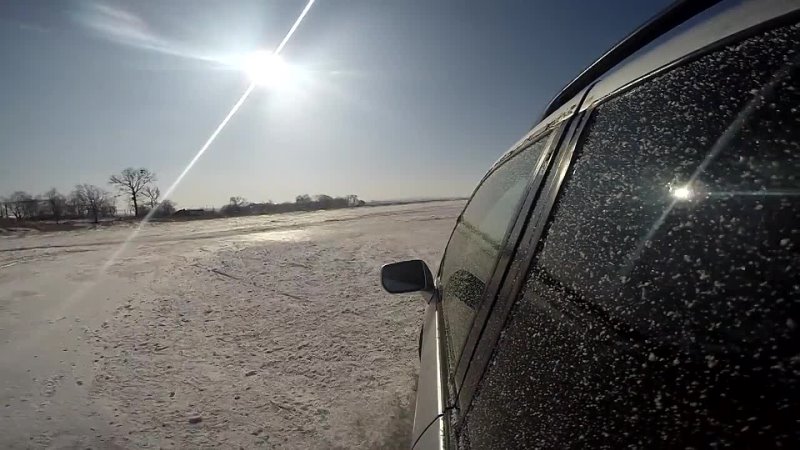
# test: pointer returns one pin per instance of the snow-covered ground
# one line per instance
(267, 331)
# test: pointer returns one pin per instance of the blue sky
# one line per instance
(399, 99)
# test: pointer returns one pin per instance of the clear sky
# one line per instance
(397, 99)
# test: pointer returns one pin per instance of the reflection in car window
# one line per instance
(477, 240)
(663, 307)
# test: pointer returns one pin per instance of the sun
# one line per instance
(267, 69)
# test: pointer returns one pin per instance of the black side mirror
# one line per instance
(407, 276)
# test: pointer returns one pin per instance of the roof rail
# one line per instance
(674, 15)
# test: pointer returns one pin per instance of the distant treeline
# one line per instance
(238, 206)
(88, 201)
(136, 187)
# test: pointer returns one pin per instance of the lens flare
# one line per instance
(682, 193)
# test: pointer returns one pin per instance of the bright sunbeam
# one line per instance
(264, 68)
(177, 181)
(294, 27)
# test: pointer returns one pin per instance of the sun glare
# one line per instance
(682, 193)
(267, 69)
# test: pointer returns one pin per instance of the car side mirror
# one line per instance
(407, 276)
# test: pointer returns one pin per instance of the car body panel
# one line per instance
(433, 437)
(430, 400)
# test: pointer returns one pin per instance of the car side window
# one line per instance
(662, 307)
(477, 241)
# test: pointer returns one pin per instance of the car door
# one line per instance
(656, 303)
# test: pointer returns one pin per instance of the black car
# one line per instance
(626, 274)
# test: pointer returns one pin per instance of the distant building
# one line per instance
(191, 213)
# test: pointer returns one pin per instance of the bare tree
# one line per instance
(74, 207)
(57, 204)
(94, 199)
(131, 182)
(323, 201)
(235, 206)
(19, 204)
(238, 202)
(33, 207)
(151, 194)
(109, 209)
(165, 208)
(352, 200)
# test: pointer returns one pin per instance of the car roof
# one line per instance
(730, 20)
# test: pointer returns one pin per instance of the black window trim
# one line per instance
(499, 163)
(509, 243)
(535, 221)
(541, 216)
(555, 130)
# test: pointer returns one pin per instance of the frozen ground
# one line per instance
(268, 331)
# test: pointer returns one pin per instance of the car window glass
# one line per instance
(477, 241)
(663, 306)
